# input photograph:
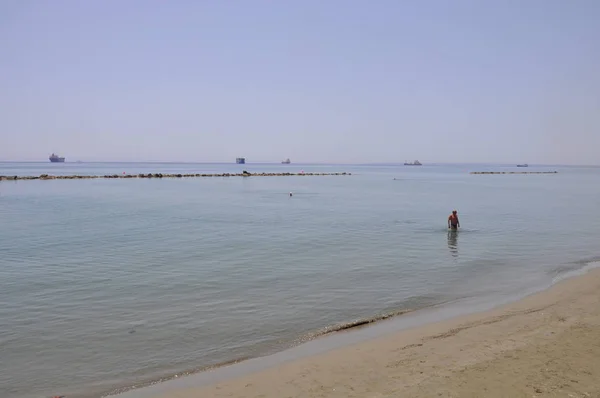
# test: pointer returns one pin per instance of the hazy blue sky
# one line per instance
(316, 81)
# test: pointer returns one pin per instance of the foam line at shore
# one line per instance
(161, 175)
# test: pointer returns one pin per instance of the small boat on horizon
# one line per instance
(523, 165)
(54, 158)
(240, 160)
(287, 161)
(415, 163)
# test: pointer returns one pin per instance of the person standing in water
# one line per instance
(453, 222)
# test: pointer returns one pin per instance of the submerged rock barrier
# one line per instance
(514, 172)
(161, 175)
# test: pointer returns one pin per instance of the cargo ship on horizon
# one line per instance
(415, 163)
(54, 158)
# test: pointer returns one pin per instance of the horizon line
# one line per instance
(301, 163)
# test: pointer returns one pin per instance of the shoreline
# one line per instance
(161, 175)
(339, 365)
(326, 332)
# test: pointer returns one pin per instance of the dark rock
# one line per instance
(244, 173)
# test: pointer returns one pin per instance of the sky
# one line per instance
(336, 81)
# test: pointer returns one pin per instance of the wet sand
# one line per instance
(545, 345)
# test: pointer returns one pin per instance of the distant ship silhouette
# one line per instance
(56, 159)
(415, 163)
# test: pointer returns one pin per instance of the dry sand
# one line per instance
(546, 345)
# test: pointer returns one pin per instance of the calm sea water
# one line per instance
(108, 283)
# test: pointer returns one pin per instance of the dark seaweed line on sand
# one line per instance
(341, 327)
(160, 175)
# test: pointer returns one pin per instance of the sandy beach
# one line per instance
(546, 345)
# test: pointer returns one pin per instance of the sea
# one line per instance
(112, 283)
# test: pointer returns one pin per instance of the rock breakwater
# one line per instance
(161, 175)
(514, 172)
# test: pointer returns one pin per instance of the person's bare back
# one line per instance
(453, 222)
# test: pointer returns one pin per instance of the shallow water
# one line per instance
(107, 283)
